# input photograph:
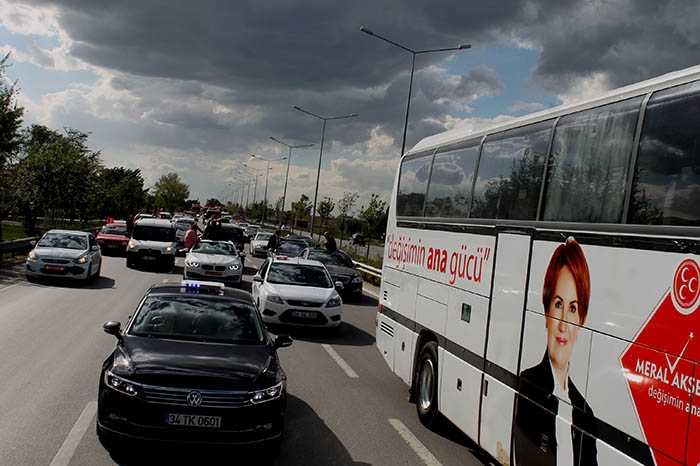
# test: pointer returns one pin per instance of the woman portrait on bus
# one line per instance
(538, 438)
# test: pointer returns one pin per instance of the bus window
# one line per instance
(413, 184)
(666, 187)
(451, 180)
(589, 164)
(510, 173)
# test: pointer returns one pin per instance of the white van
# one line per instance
(153, 241)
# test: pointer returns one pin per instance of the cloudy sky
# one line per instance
(196, 87)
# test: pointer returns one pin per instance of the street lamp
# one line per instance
(320, 155)
(267, 175)
(413, 65)
(289, 159)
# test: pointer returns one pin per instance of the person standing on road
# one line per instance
(191, 237)
(330, 242)
(273, 242)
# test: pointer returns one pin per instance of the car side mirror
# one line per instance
(95, 247)
(282, 341)
(113, 328)
(257, 279)
(339, 285)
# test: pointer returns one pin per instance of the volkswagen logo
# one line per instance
(194, 398)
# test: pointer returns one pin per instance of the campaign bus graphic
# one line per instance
(661, 369)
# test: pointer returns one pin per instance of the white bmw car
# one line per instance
(295, 291)
(214, 261)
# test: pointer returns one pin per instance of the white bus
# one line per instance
(541, 280)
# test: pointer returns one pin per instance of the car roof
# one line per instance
(296, 261)
(69, 232)
(201, 289)
(156, 222)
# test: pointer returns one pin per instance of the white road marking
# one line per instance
(3, 288)
(70, 444)
(413, 442)
(341, 362)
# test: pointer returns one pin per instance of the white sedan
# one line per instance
(295, 291)
(70, 254)
(214, 261)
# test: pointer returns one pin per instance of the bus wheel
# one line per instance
(427, 385)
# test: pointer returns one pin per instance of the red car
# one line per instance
(113, 238)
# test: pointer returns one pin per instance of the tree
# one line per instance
(345, 205)
(56, 176)
(121, 192)
(325, 208)
(375, 216)
(10, 138)
(301, 207)
(170, 192)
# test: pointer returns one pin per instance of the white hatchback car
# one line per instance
(295, 291)
(71, 254)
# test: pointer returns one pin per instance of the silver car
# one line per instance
(214, 261)
(258, 245)
(70, 254)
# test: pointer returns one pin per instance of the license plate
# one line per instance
(55, 268)
(304, 315)
(148, 258)
(190, 420)
(213, 272)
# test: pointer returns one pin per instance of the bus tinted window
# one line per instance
(510, 173)
(413, 184)
(589, 164)
(451, 180)
(666, 189)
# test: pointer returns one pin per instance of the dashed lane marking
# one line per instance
(341, 362)
(415, 444)
(75, 436)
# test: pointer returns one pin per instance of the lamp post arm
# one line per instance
(318, 175)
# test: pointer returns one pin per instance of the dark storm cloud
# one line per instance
(266, 56)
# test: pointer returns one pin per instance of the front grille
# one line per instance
(302, 303)
(218, 268)
(149, 252)
(210, 398)
(55, 261)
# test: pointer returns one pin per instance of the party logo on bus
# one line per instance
(661, 374)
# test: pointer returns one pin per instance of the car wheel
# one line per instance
(427, 385)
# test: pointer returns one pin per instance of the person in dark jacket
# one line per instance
(273, 242)
(331, 246)
(546, 390)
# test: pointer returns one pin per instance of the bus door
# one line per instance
(508, 298)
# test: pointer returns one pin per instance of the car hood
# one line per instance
(304, 293)
(342, 270)
(221, 259)
(62, 253)
(155, 358)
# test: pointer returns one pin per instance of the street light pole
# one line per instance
(267, 175)
(320, 155)
(289, 159)
(413, 65)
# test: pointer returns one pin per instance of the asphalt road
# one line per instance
(345, 406)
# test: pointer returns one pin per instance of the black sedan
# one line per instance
(342, 269)
(194, 364)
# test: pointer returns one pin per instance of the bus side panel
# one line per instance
(508, 301)
(431, 305)
(459, 392)
(496, 419)
(610, 455)
(394, 335)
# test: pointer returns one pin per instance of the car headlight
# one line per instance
(357, 279)
(169, 248)
(267, 394)
(32, 256)
(234, 267)
(273, 298)
(121, 385)
(334, 302)
(81, 260)
(131, 244)
(192, 264)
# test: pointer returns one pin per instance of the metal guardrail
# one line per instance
(16, 246)
(375, 272)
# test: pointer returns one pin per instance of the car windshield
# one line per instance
(113, 230)
(301, 275)
(290, 248)
(153, 233)
(63, 240)
(220, 247)
(331, 258)
(193, 318)
(231, 233)
(262, 236)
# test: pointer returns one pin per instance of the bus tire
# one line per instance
(427, 385)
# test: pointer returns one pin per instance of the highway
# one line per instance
(345, 406)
